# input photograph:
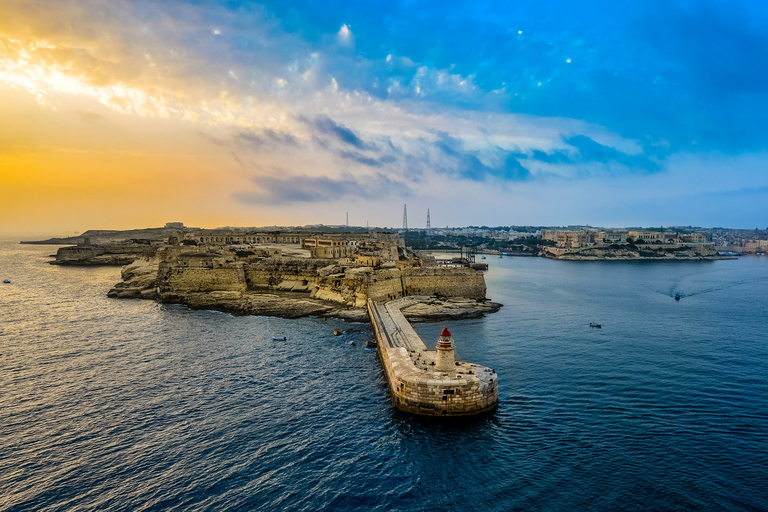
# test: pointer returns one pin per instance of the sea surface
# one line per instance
(129, 405)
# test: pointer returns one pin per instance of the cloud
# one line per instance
(467, 165)
(316, 189)
(328, 126)
(344, 35)
(267, 139)
(476, 97)
(470, 167)
(362, 159)
(591, 151)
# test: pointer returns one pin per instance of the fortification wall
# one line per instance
(384, 285)
(261, 279)
(443, 281)
(352, 288)
(200, 279)
(470, 390)
(304, 278)
(381, 285)
(393, 284)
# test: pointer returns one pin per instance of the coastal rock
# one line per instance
(433, 309)
(139, 281)
(327, 271)
(284, 305)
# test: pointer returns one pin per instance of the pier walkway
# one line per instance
(416, 383)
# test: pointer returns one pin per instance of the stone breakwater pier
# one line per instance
(428, 382)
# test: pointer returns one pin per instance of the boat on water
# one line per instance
(279, 338)
(677, 297)
(596, 326)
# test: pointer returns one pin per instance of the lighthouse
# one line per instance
(445, 359)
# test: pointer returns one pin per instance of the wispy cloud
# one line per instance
(328, 126)
(583, 149)
(316, 189)
(266, 139)
(365, 160)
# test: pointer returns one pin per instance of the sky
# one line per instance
(119, 114)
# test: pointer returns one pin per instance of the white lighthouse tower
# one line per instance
(445, 358)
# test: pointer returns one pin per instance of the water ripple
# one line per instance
(133, 405)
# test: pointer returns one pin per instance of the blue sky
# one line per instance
(686, 72)
(496, 113)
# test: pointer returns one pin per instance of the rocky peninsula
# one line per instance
(259, 275)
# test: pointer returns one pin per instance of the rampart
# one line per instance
(175, 278)
(351, 286)
(415, 385)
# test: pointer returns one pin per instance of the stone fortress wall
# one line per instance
(352, 286)
(173, 278)
(415, 384)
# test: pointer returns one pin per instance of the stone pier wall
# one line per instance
(414, 385)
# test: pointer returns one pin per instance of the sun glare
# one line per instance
(49, 82)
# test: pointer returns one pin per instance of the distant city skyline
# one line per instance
(127, 114)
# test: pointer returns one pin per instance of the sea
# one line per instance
(132, 405)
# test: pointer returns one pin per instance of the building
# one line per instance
(231, 237)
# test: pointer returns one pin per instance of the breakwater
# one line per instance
(428, 382)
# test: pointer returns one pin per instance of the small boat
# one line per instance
(279, 338)
(483, 257)
(677, 297)
(7, 281)
(596, 326)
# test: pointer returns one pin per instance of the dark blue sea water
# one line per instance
(129, 405)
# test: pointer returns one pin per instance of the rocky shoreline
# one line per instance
(649, 252)
(140, 282)
(297, 305)
(577, 257)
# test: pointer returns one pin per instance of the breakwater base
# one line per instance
(423, 381)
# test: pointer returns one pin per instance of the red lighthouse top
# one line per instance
(445, 332)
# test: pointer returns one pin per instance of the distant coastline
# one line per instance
(636, 253)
